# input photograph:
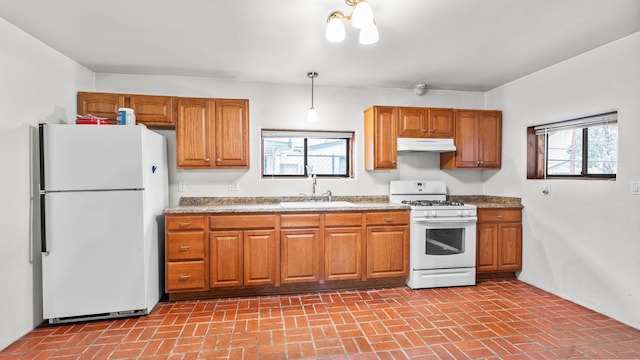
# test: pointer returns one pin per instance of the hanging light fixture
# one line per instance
(312, 115)
(361, 18)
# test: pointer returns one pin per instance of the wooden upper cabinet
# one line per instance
(478, 141)
(194, 128)
(380, 137)
(104, 105)
(154, 111)
(425, 122)
(232, 134)
(212, 134)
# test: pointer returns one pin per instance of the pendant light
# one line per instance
(312, 116)
(361, 18)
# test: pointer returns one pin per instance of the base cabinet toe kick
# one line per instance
(217, 255)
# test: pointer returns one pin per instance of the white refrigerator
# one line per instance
(102, 192)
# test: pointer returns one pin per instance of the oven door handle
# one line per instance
(447, 221)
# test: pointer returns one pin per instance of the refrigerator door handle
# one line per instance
(43, 225)
(41, 151)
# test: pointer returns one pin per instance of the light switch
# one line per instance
(233, 186)
(182, 186)
(635, 188)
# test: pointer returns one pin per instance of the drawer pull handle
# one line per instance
(184, 224)
(185, 277)
(388, 219)
(499, 216)
(185, 247)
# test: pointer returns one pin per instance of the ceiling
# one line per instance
(448, 44)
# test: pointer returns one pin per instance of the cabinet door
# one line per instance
(412, 122)
(103, 105)
(342, 253)
(380, 138)
(226, 252)
(486, 247)
(260, 257)
(156, 112)
(193, 131)
(232, 134)
(509, 255)
(300, 255)
(490, 139)
(387, 251)
(440, 123)
(467, 139)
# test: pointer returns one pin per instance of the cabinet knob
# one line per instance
(207, 160)
(388, 219)
(423, 130)
(218, 160)
(185, 277)
(184, 224)
(431, 130)
(185, 247)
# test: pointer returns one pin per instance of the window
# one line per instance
(290, 153)
(586, 147)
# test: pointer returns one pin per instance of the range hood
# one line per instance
(422, 144)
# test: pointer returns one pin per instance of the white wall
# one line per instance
(582, 242)
(38, 85)
(284, 106)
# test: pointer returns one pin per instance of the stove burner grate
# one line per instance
(432, 203)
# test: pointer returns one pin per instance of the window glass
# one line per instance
(603, 149)
(302, 153)
(564, 152)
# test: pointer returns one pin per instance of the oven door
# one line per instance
(443, 243)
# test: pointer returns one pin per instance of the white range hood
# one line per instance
(422, 144)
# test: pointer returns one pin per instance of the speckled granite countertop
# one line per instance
(218, 205)
(489, 202)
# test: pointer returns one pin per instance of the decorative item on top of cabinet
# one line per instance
(499, 242)
(425, 122)
(387, 244)
(155, 112)
(185, 254)
(212, 133)
(380, 138)
(478, 140)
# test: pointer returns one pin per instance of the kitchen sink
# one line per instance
(316, 204)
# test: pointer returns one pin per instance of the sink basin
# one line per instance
(315, 204)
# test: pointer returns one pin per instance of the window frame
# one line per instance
(537, 147)
(318, 134)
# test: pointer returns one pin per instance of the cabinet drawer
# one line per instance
(343, 219)
(185, 223)
(243, 222)
(499, 215)
(299, 220)
(388, 218)
(185, 246)
(188, 275)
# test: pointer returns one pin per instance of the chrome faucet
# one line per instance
(315, 181)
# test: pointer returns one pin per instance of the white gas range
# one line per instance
(443, 235)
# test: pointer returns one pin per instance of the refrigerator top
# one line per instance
(92, 157)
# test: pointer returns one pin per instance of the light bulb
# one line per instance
(369, 34)
(362, 15)
(312, 115)
(335, 30)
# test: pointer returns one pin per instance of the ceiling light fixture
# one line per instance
(312, 116)
(361, 18)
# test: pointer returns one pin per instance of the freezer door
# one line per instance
(95, 261)
(90, 157)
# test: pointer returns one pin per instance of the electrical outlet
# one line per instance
(635, 188)
(233, 186)
(182, 186)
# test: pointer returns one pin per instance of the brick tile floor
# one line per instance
(494, 320)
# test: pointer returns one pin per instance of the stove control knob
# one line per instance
(432, 213)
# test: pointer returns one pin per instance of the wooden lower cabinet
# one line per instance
(301, 246)
(249, 254)
(387, 244)
(185, 254)
(343, 246)
(243, 250)
(499, 241)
